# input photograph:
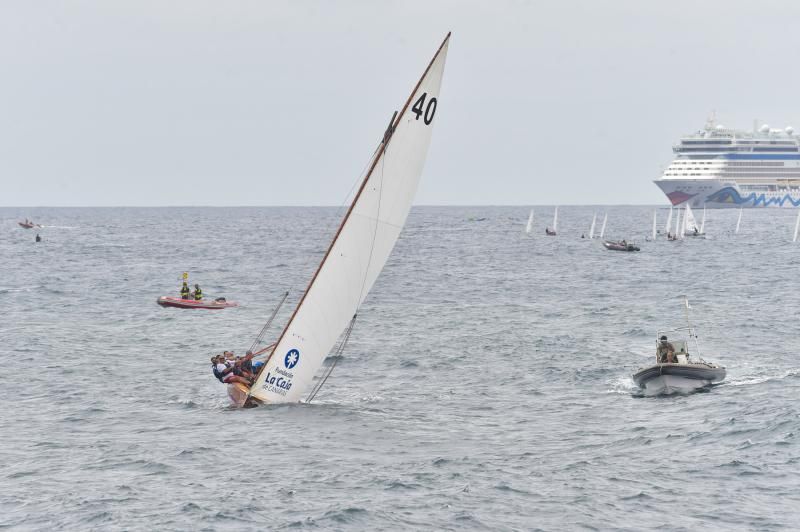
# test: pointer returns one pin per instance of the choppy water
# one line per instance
(486, 385)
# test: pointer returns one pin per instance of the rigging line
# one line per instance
(274, 313)
(358, 180)
(386, 137)
(338, 356)
(269, 322)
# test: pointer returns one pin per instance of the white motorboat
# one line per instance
(675, 371)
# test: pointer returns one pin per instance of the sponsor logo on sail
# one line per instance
(291, 359)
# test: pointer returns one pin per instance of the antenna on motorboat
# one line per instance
(692, 335)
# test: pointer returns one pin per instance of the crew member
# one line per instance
(666, 351)
(185, 291)
(198, 294)
(224, 372)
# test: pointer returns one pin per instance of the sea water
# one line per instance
(486, 384)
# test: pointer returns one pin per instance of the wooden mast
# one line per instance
(381, 150)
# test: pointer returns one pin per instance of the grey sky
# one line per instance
(193, 102)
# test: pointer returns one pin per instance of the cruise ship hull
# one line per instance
(719, 194)
(719, 167)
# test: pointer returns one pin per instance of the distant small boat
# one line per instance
(603, 227)
(674, 370)
(796, 228)
(28, 224)
(738, 221)
(529, 225)
(690, 227)
(620, 246)
(655, 231)
(554, 230)
(219, 303)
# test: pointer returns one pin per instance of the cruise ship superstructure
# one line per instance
(720, 167)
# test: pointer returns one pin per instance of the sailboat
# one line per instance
(739, 221)
(703, 222)
(655, 213)
(690, 227)
(668, 227)
(796, 228)
(357, 254)
(554, 230)
(591, 228)
(603, 227)
(529, 225)
(678, 227)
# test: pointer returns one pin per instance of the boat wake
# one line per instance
(749, 381)
(623, 385)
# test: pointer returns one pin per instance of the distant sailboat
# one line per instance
(591, 228)
(796, 227)
(739, 221)
(703, 222)
(685, 219)
(678, 226)
(655, 213)
(356, 255)
(668, 227)
(554, 230)
(690, 227)
(529, 226)
(603, 227)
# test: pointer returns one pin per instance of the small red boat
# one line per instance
(219, 303)
(28, 225)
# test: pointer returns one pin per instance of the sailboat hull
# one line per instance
(239, 396)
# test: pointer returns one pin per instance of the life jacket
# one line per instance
(198, 295)
(217, 374)
(184, 292)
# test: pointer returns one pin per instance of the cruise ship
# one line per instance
(719, 167)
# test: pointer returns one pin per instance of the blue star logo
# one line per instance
(291, 359)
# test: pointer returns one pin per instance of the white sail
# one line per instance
(668, 227)
(591, 227)
(555, 220)
(703, 222)
(529, 225)
(689, 222)
(685, 218)
(739, 221)
(654, 224)
(678, 226)
(796, 227)
(603, 227)
(360, 249)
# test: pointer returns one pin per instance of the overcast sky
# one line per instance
(191, 102)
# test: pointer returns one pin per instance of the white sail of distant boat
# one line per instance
(529, 226)
(686, 214)
(689, 223)
(678, 226)
(603, 227)
(703, 222)
(359, 250)
(655, 213)
(555, 220)
(739, 221)
(668, 227)
(591, 228)
(796, 227)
